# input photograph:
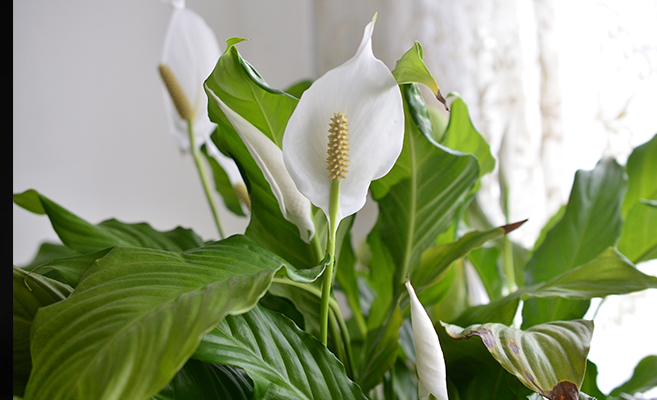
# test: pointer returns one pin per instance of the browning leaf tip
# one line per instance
(512, 227)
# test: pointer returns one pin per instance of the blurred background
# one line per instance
(552, 85)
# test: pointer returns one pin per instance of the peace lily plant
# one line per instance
(298, 308)
(368, 142)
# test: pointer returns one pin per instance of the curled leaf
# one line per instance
(550, 358)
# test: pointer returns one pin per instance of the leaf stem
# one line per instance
(204, 178)
(327, 282)
(509, 269)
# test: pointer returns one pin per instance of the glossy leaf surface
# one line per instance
(241, 88)
(138, 314)
(420, 196)
(281, 359)
(641, 170)
(590, 224)
(197, 380)
(436, 259)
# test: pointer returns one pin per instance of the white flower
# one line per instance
(364, 90)
(428, 354)
(269, 158)
(191, 51)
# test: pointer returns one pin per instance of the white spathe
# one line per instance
(191, 51)
(428, 353)
(269, 158)
(363, 89)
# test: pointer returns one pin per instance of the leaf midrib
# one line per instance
(410, 238)
(238, 343)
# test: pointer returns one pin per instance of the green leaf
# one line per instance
(282, 360)
(643, 379)
(420, 197)
(402, 382)
(610, 273)
(549, 359)
(380, 352)
(48, 252)
(223, 185)
(233, 41)
(548, 226)
(638, 240)
(197, 380)
(237, 84)
(84, 237)
(641, 171)
(434, 261)
(590, 224)
(242, 88)
(381, 278)
(490, 384)
(138, 314)
(68, 270)
(30, 200)
(298, 88)
(501, 310)
(461, 135)
(484, 259)
(347, 278)
(453, 297)
(487, 381)
(30, 292)
(590, 384)
(306, 299)
(411, 69)
(439, 122)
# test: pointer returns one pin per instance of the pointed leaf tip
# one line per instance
(232, 42)
(512, 227)
(440, 98)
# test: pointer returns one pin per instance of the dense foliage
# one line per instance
(121, 310)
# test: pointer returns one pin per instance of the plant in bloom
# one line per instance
(346, 131)
(169, 314)
(428, 353)
(360, 102)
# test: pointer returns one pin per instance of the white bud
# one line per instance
(428, 354)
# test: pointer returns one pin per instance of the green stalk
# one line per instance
(204, 179)
(509, 269)
(317, 249)
(327, 282)
(341, 327)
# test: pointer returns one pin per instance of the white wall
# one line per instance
(89, 125)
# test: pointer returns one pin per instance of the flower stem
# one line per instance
(330, 249)
(204, 178)
(509, 269)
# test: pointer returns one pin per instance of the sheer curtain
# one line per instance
(552, 85)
